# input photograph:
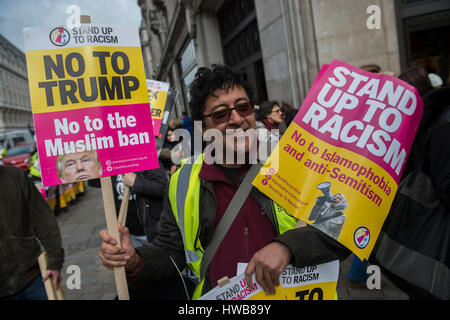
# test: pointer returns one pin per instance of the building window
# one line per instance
(188, 68)
(188, 57)
(408, 2)
(425, 36)
(241, 43)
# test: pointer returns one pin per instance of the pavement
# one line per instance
(85, 218)
(387, 291)
(80, 226)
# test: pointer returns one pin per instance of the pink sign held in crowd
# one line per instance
(338, 165)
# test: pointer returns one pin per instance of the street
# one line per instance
(79, 229)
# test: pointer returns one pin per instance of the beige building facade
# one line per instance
(280, 45)
(15, 105)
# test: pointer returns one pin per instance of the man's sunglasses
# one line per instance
(223, 114)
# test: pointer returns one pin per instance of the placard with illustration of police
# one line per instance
(338, 165)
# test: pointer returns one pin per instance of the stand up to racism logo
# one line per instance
(361, 237)
(59, 36)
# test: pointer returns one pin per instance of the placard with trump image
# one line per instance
(89, 101)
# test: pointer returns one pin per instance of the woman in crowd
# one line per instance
(269, 118)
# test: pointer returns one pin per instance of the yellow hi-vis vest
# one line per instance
(184, 196)
(35, 168)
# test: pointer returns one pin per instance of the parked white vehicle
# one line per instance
(9, 139)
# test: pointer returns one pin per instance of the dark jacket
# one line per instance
(24, 217)
(437, 154)
(149, 188)
(308, 245)
(434, 157)
(416, 231)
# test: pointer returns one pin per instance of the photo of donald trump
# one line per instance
(78, 166)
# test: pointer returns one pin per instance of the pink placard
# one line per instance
(157, 126)
(374, 115)
(121, 137)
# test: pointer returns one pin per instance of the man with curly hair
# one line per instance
(263, 234)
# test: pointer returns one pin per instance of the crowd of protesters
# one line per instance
(174, 211)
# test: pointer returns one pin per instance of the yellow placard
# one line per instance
(323, 173)
(157, 102)
(317, 282)
(320, 291)
(83, 77)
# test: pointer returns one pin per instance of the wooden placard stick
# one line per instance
(60, 293)
(111, 224)
(42, 260)
(85, 19)
(124, 206)
(126, 211)
(111, 218)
